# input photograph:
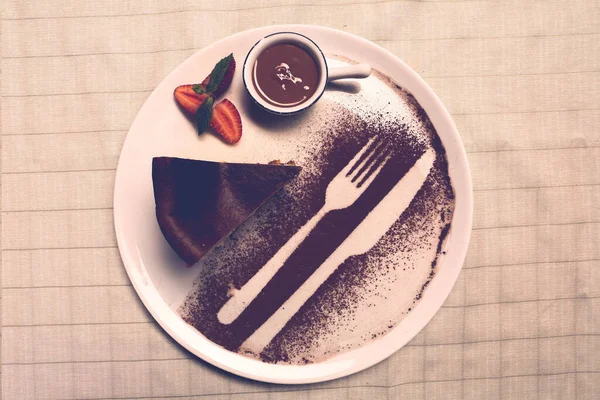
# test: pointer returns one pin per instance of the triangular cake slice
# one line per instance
(200, 202)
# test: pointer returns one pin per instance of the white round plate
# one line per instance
(161, 130)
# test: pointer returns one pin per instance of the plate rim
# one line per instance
(342, 364)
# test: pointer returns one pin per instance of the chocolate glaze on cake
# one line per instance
(200, 202)
(358, 302)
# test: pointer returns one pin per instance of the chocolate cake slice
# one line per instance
(200, 202)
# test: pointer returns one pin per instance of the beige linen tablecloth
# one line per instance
(522, 81)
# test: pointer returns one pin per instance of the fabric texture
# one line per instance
(522, 82)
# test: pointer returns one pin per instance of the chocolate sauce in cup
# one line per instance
(286, 73)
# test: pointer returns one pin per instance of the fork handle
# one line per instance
(240, 299)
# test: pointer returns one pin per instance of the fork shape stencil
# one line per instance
(343, 190)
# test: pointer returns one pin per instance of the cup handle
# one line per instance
(357, 71)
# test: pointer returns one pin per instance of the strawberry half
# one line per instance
(188, 99)
(225, 81)
(227, 121)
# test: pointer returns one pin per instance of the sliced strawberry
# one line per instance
(227, 121)
(225, 82)
(188, 99)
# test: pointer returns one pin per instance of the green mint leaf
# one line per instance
(204, 115)
(218, 72)
(198, 88)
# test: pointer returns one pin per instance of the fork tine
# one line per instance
(373, 157)
(360, 156)
(376, 168)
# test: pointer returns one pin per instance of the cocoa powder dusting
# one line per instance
(329, 321)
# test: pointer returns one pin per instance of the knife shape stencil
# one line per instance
(361, 240)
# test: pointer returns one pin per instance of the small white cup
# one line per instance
(326, 74)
